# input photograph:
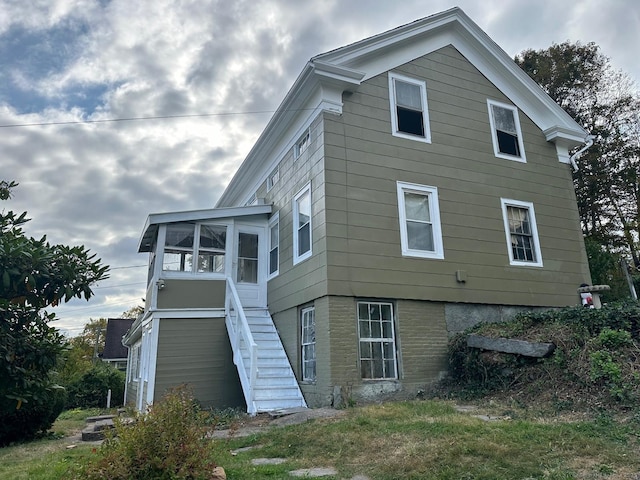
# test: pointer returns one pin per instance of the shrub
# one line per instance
(168, 442)
(594, 363)
(33, 417)
(91, 389)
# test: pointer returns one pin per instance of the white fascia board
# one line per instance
(135, 331)
(155, 219)
(386, 51)
(319, 88)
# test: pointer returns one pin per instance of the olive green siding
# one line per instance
(187, 293)
(363, 162)
(197, 352)
(421, 340)
(132, 392)
(301, 283)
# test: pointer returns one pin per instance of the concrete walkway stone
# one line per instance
(314, 472)
(268, 461)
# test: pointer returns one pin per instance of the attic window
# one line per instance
(273, 178)
(506, 133)
(302, 144)
(409, 113)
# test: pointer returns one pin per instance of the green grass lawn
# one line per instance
(407, 440)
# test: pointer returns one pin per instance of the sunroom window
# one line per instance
(178, 248)
(186, 241)
(211, 248)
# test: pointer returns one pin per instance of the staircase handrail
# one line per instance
(238, 328)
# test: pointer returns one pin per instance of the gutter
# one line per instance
(588, 142)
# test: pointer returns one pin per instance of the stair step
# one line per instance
(271, 393)
(275, 382)
(278, 404)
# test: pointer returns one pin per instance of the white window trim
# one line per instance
(270, 182)
(434, 207)
(302, 345)
(274, 220)
(505, 202)
(425, 108)
(494, 137)
(297, 258)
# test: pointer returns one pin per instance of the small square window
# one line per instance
(521, 232)
(273, 178)
(409, 112)
(505, 131)
(302, 144)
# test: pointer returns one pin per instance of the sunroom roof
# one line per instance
(154, 220)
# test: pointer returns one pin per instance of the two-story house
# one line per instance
(409, 185)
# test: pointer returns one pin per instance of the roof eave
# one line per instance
(156, 219)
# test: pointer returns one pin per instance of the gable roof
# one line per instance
(116, 328)
(320, 86)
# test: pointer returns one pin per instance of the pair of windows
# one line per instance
(194, 248)
(301, 232)
(421, 233)
(376, 336)
(410, 117)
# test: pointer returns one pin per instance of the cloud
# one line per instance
(86, 60)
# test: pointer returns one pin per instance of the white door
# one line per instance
(249, 265)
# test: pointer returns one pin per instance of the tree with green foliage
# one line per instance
(34, 275)
(82, 350)
(607, 104)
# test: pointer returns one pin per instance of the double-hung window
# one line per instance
(521, 232)
(505, 131)
(308, 344)
(274, 245)
(376, 334)
(419, 214)
(409, 112)
(302, 225)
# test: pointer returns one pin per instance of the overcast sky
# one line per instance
(226, 65)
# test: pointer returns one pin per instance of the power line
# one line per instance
(135, 119)
(117, 286)
(129, 266)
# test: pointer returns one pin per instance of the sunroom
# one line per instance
(194, 254)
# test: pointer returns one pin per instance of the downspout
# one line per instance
(588, 141)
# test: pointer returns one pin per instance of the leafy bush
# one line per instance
(91, 389)
(33, 417)
(168, 442)
(594, 363)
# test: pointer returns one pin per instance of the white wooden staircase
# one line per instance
(268, 382)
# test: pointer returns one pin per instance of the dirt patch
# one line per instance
(259, 423)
